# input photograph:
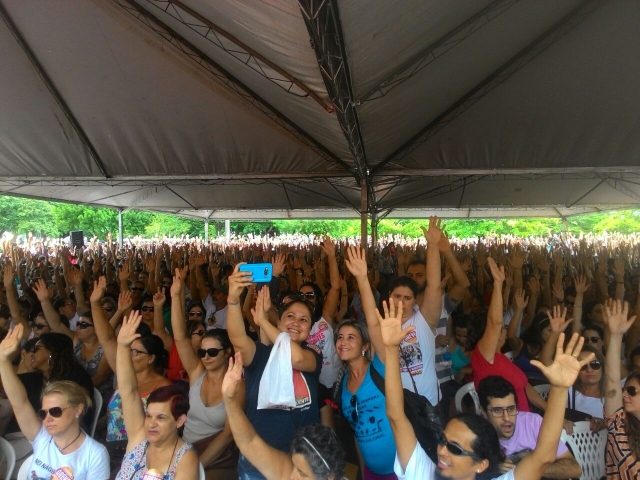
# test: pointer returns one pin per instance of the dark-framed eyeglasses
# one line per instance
(591, 339)
(84, 325)
(40, 326)
(69, 304)
(200, 333)
(108, 308)
(196, 313)
(593, 364)
(354, 413)
(454, 449)
(212, 352)
(147, 309)
(55, 412)
(498, 412)
(631, 390)
(135, 352)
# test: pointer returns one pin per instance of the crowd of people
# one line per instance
(364, 348)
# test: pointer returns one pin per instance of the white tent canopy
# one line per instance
(249, 109)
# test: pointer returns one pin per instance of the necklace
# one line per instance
(64, 448)
(170, 459)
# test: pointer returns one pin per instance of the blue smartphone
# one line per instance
(260, 272)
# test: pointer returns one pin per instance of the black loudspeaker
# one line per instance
(77, 238)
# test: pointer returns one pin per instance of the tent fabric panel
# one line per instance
(570, 107)
(305, 112)
(390, 121)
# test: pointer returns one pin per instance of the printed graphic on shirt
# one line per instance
(366, 419)
(301, 390)
(318, 341)
(411, 355)
(61, 473)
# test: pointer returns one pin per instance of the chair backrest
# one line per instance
(8, 457)
(464, 390)
(588, 449)
(23, 473)
(543, 390)
(201, 470)
(509, 355)
(97, 403)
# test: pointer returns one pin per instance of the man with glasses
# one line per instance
(66, 308)
(518, 431)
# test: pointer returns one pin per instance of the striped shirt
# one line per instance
(620, 462)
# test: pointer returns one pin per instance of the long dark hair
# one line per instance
(154, 346)
(62, 360)
(532, 336)
(632, 424)
(319, 304)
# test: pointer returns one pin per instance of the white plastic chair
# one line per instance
(201, 469)
(464, 390)
(588, 449)
(543, 390)
(509, 355)
(97, 403)
(9, 456)
(23, 473)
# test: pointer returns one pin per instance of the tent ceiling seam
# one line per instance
(44, 76)
(495, 79)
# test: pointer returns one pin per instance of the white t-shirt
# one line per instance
(73, 322)
(418, 348)
(219, 319)
(321, 336)
(209, 307)
(89, 462)
(420, 467)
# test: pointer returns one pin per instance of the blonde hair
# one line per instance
(73, 393)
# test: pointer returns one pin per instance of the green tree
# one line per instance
(23, 215)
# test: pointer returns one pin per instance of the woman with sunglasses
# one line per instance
(205, 362)
(315, 451)
(153, 440)
(469, 446)
(149, 360)
(86, 346)
(621, 405)
(276, 426)
(60, 446)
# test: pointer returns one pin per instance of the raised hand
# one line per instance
(328, 247)
(99, 287)
(534, 286)
(557, 321)
(519, 300)
(278, 264)
(516, 259)
(159, 299)
(127, 334)
(615, 317)
(11, 343)
(123, 274)
(9, 274)
(496, 272)
(434, 233)
(566, 366)
(178, 284)
(356, 261)
(41, 291)
(237, 282)
(263, 303)
(558, 292)
(581, 284)
(391, 325)
(443, 244)
(233, 377)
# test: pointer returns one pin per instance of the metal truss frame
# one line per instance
(438, 48)
(322, 19)
(501, 75)
(215, 35)
(193, 53)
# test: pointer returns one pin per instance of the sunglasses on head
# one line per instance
(212, 352)
(196, 313)
(55, 412)
(84, 325)
(631, 390)
(147, 309)
(594, 364)
(454, 449)
(200, 333)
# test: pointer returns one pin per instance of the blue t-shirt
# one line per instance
(371, 427)
(277, 426)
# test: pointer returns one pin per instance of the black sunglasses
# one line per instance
(454, 449)
(84, 325)
(55, 412)
(591, 339)
(147, 309)
(631, 390)
(594, 364)
(196, 313)
(354, 412)
(212, 352)
(40, 326)
(137, 289)
(307, 294)
(200, 333)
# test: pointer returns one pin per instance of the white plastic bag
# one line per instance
(276, 384)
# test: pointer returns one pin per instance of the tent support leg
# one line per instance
(374, 231)
(363, 214)
(120, 236)
(227, 229)
(206, 231)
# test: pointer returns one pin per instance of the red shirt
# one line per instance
(175, 370)
(501, 367)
